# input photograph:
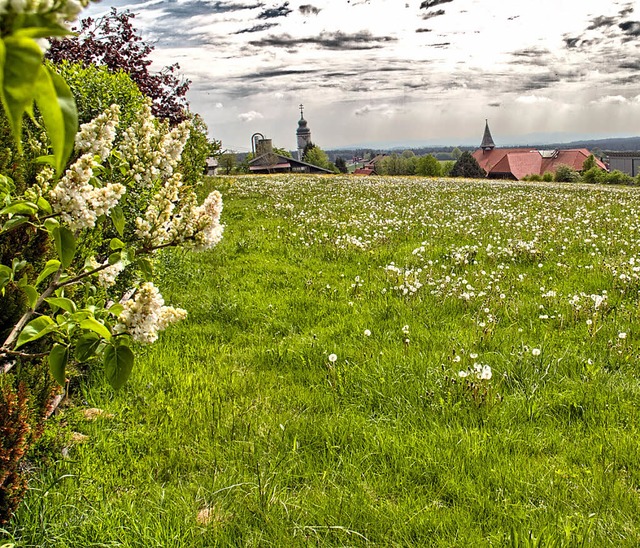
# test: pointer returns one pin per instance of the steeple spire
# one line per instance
(487, 140)
(301, 111)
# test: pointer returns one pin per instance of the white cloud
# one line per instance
(611, 100)
(219, 105)
(532, 99)
(250, 116)
(278, 95)
(386, 110)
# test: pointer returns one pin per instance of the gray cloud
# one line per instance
(627, 10)
(423, 30)
(630, 64)
(494, 105)
(327, 40)
(432, 14)
(257, 28)
(272, 13)
(276, 73)
(428, 4)
(602, 21)
(308, 9)
(630, 28)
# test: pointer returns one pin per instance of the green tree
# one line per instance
(428, 166)
(282, 152)
(594, 175)
(617, 177)
(447, 167)
(566, 174)
(589, 163)
(467, 166)
(227, 162)
(456, 153)
(315, 156)
(341, 164)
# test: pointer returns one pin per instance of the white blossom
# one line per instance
(96, 137)
(145, 315)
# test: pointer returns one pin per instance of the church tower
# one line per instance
(303, 134)
(487, 141)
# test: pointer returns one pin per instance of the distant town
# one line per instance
(539, 161)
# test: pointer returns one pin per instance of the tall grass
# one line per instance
(237, 430)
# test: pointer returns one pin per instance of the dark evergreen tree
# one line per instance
(341, 164)
(467, 166)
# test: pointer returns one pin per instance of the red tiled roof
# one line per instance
(364, 171)
(519, 162)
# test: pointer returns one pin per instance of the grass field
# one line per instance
(399, 362)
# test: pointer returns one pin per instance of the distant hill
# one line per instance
(616, 143)
(443, 152)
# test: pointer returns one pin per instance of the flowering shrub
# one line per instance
(89, 196)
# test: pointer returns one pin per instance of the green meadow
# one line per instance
(372, 362)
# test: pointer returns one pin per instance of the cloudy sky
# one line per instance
(391, 72)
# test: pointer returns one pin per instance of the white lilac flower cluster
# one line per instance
(155, 229)
(152, 151)
(76, 197)
(196, 225)
(107, 276)
(78, 201)
(60, 11)
(96, 137)
(145, 315)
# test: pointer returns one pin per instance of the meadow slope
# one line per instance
(370, 361)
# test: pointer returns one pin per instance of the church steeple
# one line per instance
(303, 134)
(487, 140)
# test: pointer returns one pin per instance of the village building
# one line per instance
(369, 168)
(517, 163)
(627, 162)
(266, 160)
(303, 134)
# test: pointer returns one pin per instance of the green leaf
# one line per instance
(58, 109)
(116, 243)
(146, 268)
(87, 346)
(13, 223)
(20, 207)
(117, 217)
(7, 186)
(58, 358)
(115, 258)
(34, 25)
(31, 293)
(62, 302)
(35, 329)
(5, 275)
(65, 245)
(51, 267)
(49, 160)
(44, 205)
(94, 325)
(20, 69)
(18, 264)
(116, 309)
(118, 364)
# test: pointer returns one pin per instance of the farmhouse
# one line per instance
(268, 161)
(627, 162)
(517, 163)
